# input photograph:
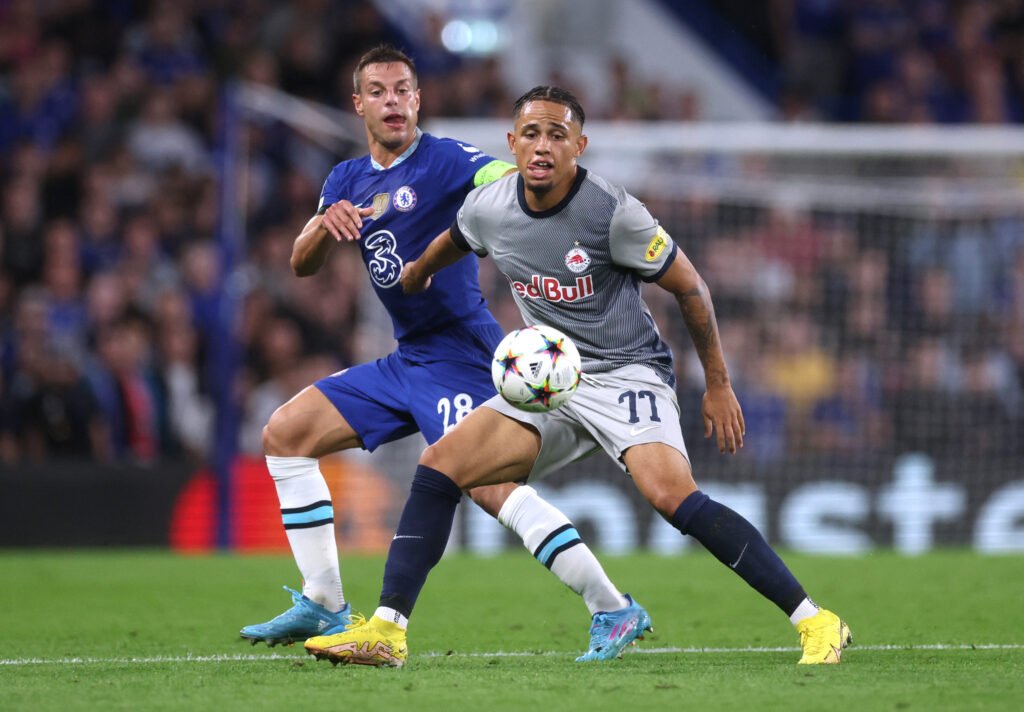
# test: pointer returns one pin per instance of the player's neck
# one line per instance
(539, 202)
(385, 156)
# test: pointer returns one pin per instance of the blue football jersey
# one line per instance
(415, 199)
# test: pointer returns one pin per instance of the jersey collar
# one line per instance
(581, 174)
(405, 154)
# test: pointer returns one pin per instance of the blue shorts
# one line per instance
(427, 386)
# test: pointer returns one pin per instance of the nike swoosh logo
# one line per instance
(637, 431)
(734, 564)
(405, 536)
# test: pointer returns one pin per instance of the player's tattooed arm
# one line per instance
(342, 221)
(440, 253)
(694, 300)
(721, 409)
(699, 314)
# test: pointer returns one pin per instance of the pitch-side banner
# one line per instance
(911, 503)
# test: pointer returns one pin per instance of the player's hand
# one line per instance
(344, 220)
(411, 281)
(722, 415)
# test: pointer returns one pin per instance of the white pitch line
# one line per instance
(498, 654)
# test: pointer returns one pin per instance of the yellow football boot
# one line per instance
(374, 642)
(823, 637)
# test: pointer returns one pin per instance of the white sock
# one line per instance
(545, 531)
(805, 610)
(306, 500)
(392, 616)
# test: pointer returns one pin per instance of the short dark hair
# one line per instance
(548, 93)
(383, 54)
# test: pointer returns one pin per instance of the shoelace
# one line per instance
(355, 620)
(601, 624)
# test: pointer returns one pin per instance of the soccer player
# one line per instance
(536, 226)
(392, 202)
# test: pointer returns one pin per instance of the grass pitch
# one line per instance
(154, 631)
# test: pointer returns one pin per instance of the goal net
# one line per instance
(869, 290)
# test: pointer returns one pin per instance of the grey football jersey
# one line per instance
(577, 266)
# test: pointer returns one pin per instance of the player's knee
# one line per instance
(666, 501)
(491, 498)
(277, 438)
(431, 457)
(434, 458)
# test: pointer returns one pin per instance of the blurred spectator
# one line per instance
(161, 141)
(801, 371)
(849, 419)
(130, 392)
(60, 416)
(62, 279)
(22, 214)
(145, 269)
(101, 239)
(200, 271)
(278, 366)
(165, 46)
(765, 410)
(190, 411)
(925, 405)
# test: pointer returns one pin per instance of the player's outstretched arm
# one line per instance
(721, 410)
(440, 253)
(342, 221)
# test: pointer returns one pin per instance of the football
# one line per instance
(536, 368)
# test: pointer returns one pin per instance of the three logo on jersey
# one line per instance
(385, 266)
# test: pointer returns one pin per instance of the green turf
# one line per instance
(106, 608)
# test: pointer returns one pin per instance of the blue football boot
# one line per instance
(303, 620)
(612, 631)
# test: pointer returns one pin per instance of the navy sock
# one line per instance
(736, 543)
(421, 538)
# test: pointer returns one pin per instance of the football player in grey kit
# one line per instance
(574, 249)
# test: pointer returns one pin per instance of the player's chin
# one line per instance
(538, 186)
(395, 134)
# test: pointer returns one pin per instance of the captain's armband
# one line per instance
(491, 172)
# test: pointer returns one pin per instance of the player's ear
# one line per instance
(511, 142)
(581, 145)
(417, 94)
(357, 102)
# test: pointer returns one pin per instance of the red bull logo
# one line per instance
(550, 289)
(577, 260)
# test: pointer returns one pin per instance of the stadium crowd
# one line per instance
(111, 276)
(890, 61)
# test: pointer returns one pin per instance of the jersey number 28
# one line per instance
(454, 410)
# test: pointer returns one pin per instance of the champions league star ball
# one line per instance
(536, 368)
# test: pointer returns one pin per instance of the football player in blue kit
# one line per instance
(391, 203)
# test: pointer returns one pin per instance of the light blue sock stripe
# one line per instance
(324, 512)
(565, 537)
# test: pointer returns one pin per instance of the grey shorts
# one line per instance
(611, 411)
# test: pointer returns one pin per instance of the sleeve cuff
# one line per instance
(458, 238)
